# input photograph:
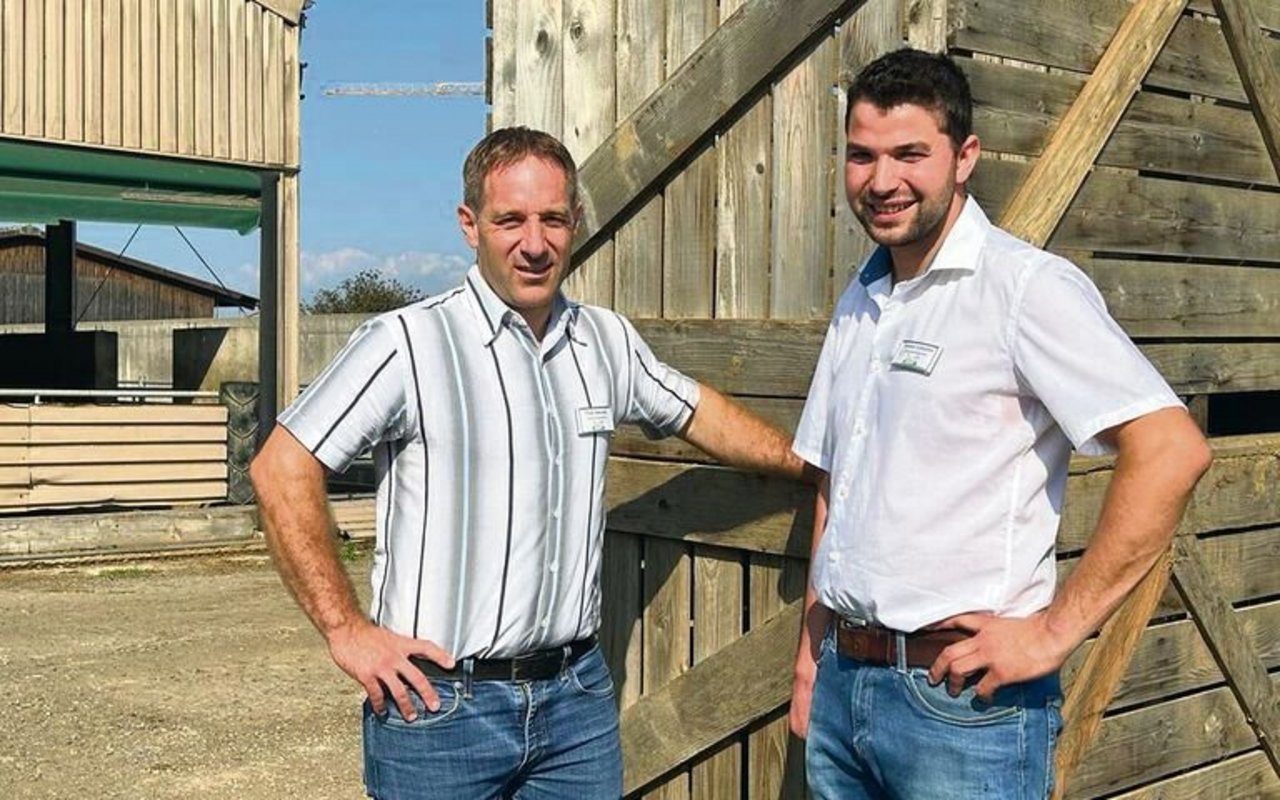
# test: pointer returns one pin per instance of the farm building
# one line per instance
(1140, 139)
(108, 286)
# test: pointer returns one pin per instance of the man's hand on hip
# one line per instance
(379, 660)
(1006, 650)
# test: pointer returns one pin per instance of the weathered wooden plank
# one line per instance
(874, 30)
(724, 71)
(33, 90)
(1073, 36)
(95, 434)
(1230, 644)
(688, 242)
(272, 90)
(93, 49)
(292, 89)
(775, 759)
(202, 75)
(925, 24)
(112, 453)
(186, 78)
(502, 65)
(803, 172)
(590, 105)
(1258, 70)
(55, 71)
(255, 74)
(132, 530)
(149, 73)
(130, 472)
(1138, 214)
(718, 596)
(238, 82)
(73, 99)
(167, 83)
(288, 10)
(667, 586)
(539, 103)
(641, 47)
(211, 414)
(12, 60)
(1268, 13)
(1139, 746)
(1249, 775)
(220, 58)
(1015, 110)
(52, 496)
(130, 75)
(700, 708)
(1100, 674)
(622, 614)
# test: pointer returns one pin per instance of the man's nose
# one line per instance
(884, 178)
(534, 241)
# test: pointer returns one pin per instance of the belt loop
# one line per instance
(468, 669)
(566, 653)
(900, 646)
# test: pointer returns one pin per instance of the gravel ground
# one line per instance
(170, 679)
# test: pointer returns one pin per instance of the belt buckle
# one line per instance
(852, 624)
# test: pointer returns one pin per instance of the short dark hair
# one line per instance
(918, 78)
(507, 146)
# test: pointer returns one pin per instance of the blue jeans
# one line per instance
(525, 740)
(884, 732)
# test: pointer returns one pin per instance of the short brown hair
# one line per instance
(507, 146)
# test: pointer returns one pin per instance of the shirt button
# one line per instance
(557, 461)
(833, 557)
(842, 492)
(552, 566)
(859, 428)
(875, 365)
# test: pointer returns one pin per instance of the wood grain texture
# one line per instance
(775, 757)
(667, 587)
(202, 37)
(220, 75)
(237, 48)
(130, 75)
(502, 73)
(149, 74)
(74, 72)
(719, 580)
(255, 76)
(621, 614)
(12, 58)
(273, 120)
(539, 103)
(1259, 74)
(33, 89)
(55, 70)
(1249, 775)
(1048, 188)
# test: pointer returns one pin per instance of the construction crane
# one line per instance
(439, 89)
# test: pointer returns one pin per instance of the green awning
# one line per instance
(45, 183)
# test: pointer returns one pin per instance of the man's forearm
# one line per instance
(294, 510)
(1154, 476)
(817, 617)
(739, 438)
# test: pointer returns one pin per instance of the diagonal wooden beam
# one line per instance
(724, 693)
(1047, 192)
(1230, 645)
(1258, 71)
(720, 75)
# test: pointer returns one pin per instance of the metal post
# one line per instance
(268, 290)
(59, 276)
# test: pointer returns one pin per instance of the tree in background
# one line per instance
(367, 292)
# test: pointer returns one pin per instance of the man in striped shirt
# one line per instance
(489, 411)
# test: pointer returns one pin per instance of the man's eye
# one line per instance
(860, 158)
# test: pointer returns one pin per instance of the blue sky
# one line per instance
(380, 176)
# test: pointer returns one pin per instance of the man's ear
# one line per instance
(967, 159)
(469, 222)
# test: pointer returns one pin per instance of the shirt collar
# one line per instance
(960, 251)
(495, 315)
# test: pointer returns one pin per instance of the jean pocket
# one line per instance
(965, 709)
(450, 695)
(591, 676)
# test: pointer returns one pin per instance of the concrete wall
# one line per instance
(146, 355)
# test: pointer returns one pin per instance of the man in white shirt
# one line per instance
(489, 410)
(961, 368)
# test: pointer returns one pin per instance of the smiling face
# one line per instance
(522, 235)
(904, 179)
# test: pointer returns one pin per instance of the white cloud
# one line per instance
(430, 272)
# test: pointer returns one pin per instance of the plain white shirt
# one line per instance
(490, 449)
(945, 409)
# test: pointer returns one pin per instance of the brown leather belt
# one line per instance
(872, 644)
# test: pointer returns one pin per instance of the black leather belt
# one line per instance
(539, 665)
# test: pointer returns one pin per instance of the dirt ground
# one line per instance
(170, 679)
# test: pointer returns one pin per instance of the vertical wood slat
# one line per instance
(130, 75)
(186, 78)
(149, 89)
(1258, 71)
(202, 75)
(744, 201)
(873, 31)
(54, 70)
(112, 132)
(718, 578)
(253, 81)
(220, 57)
(667, 582)
(589, 106)
(802, 179)
(641, 50)
(167, 68)
(272, 89)
(73, 92)
(775, 762)
(540, 65)
(93, 99)
(291, 90)
(621, 614)
(502, 62)
(237, 82)
(33, 70)
(11, 38)
(689, 232)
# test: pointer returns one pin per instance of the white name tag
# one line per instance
(915, 356)
(595, 419)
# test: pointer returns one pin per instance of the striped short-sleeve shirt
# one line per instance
(490, 449)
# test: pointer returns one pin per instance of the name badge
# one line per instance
(595, 419)
(915, 356)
